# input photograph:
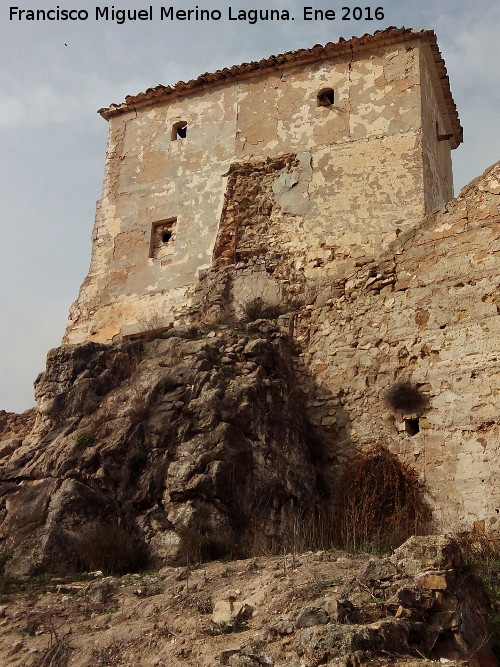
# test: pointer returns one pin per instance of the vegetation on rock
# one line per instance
(405, 397)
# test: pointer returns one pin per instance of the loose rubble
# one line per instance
(321, 608)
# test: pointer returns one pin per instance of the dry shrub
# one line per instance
(381, 502)
(200, 545)
(405, 397)
(112, 549)
(481, 547)
(56, 655)
(138, 406)
(481, 555)
(258, 309)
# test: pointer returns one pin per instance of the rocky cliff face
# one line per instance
(200, 435)
(191, 442)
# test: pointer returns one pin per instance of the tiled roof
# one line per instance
(331, 50)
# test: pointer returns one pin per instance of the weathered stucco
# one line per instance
(361, 170)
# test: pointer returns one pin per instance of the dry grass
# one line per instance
(199, 545)
(258, 309)
(112, 549)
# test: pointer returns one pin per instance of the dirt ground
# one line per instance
(183, 617)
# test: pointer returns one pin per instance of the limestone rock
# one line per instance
(284, 626)
(432, 580)
(248, 656)
(378, 569)
(323, 642)
(339, 611)
(436, 552)
(158, 436)
(229, 610)
(310, 616)
(100, 592)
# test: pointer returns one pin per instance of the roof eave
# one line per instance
(161, 94)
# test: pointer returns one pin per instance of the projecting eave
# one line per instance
(161, 94)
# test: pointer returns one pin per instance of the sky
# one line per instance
(56, 74)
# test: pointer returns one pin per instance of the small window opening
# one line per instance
(179, 130)
(412, 426)
(162, 238)
(325, 97)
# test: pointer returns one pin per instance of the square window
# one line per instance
(179, 130)
(162, 238)
(325, 97)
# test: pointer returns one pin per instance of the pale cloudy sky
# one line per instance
(55, 75)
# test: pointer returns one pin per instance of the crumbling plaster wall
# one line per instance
(358, 181)
(149, 177)
(427, 311)
(366, 180)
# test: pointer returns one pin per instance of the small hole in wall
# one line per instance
(412, 426)
(166, 236)
(325, 97)
(179, 130)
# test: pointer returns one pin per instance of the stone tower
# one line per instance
(290, 170)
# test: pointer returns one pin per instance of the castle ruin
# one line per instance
(320, 180)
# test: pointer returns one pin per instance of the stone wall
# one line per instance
(426, 312)
(438, 176)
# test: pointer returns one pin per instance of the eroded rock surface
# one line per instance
(188, 435)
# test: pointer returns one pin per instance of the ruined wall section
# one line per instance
(292, 222)
(428, 312)
(355, 182)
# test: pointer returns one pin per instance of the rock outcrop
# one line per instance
(193, 442)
